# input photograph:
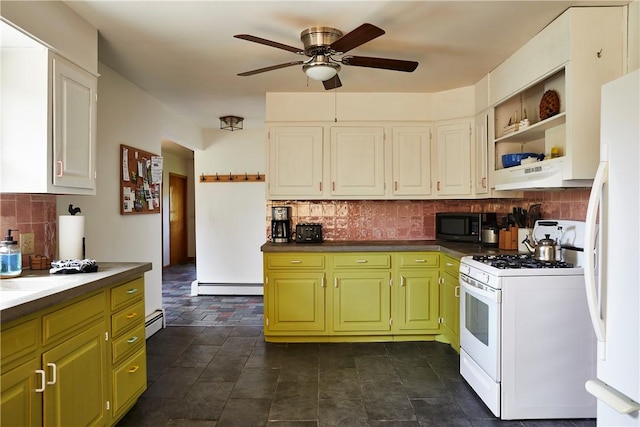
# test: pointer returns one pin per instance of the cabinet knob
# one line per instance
(54, 373)
(60, 168)
(456, 292)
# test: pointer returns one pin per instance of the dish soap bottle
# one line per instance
(10, 257)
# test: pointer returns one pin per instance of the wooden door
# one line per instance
(178, 251)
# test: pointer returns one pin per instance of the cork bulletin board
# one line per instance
(140, 181)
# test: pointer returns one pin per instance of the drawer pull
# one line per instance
(132, 340)
(449, 264)
(420, 260)
(132, 291)
(361, 261)
(61, 169)
(131, 315)
(54, 373)
(295, 261)
(456, 292)
(134, 369)
(42, 383)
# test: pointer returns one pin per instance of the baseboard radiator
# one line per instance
(200, 288)
(154, 322)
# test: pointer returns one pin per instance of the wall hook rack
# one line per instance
(246, 177)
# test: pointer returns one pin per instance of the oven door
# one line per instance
(480, 317)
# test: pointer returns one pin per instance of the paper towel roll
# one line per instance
(70, 236)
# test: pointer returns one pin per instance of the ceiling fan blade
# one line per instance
(384, 63)
(357, 37)
(255, 39)
(333, 83)
(273, 67)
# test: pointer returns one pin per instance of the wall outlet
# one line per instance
(27, 243)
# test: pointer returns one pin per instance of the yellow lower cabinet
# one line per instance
(21, 403)
(362, 301)
(129, 382)
(418, 302)
(75, 394)
(295, 303)
(450, 302)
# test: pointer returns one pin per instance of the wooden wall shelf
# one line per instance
(232, 178)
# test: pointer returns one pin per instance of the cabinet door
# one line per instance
(295, 302)
(295, 162)
(362, 301)
(411, 165)
(357, 161)
(20, 404)
(76, 371)
(481, 147)
(74, 126)
(419, 301)
(450, 307)
(453, 158)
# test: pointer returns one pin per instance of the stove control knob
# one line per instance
(465, 269)
(484, 277)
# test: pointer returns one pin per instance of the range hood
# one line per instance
(547, 174)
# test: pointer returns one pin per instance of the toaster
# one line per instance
(309, 233)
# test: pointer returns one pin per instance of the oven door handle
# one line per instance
(495, 295)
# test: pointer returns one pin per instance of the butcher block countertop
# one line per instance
(37, 289)
(454, 249)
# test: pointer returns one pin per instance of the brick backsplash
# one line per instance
(31, 213)
(415, 219)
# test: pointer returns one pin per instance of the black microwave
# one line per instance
(461, 226)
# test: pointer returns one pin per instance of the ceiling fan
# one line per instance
(323, 46)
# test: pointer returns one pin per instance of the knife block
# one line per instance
(508, 239)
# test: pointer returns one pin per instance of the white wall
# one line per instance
(127, 115)
(230, 217)
(634, 36)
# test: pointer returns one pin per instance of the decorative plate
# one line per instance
(549, 104)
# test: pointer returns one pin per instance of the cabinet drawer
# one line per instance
(127, 292)
(129, 381)
(418, 259)
(18, 341)
(128, 343)
(300, 261)
(362, 260)
(451, 266)
(124, 319)
(67, 321)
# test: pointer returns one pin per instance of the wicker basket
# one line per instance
(39, 262)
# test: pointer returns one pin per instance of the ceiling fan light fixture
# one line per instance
(321, 71)
(231, 123)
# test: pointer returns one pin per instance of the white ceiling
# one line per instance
(184, 52)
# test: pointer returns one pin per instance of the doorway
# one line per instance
(178, 231)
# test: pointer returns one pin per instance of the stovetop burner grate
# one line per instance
(504, 261)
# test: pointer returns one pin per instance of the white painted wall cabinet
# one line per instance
(575, 55)
(369, 162)
(453, 158)
(295, 164)
(48, 137)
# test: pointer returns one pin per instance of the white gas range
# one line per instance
(526, 344)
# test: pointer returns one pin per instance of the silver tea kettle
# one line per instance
(544, 250)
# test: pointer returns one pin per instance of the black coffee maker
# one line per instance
(280, 224)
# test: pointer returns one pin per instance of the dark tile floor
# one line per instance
(211, 368)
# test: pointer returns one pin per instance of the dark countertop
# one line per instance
(35, 290)
(454, 249)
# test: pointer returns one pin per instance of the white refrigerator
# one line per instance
(612, 270)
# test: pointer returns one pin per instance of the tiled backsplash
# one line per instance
(415, 219)
(31, 213)
(341, 220)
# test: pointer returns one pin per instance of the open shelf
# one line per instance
(534, 131)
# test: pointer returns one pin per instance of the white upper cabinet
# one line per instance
(579, 51)
(357, 162)
(411, 158)
(295, 162)
(48, 136)
(453, 158)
